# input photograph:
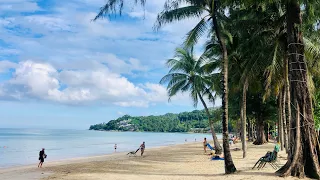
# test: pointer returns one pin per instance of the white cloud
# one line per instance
(77, 61)
(120, 66)
(18, 6)
(157, 93)
(49, 22)
(36, 80)
(6, 65)
(133, 104)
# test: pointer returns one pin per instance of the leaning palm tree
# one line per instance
(195, 8)
(186, 75)
(210, 13)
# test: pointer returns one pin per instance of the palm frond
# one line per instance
(115, 7)
(194, 35)
(178, 14)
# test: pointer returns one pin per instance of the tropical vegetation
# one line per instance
(195, 121)
(262, 59)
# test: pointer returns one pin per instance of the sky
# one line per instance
(59, 69)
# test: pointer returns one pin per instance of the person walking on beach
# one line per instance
(115, 147)
(42, 156)
(205, 145)
(142, 148)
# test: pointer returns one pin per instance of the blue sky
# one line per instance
(58, 69)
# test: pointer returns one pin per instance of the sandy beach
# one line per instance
(179, 162)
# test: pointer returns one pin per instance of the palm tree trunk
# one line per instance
(217, 146)
(266, 131)
(303, 157)
(249, 130)
(228, 162)
(244, 118)
(260, 132)
(288, 100)
(284, 124)
(280, 123)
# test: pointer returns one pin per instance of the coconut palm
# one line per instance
(207, 11)
(235, 73)
(303, 159)
(186, 75)
(304, 147)
(173, 12)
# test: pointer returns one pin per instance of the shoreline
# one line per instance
(31, 171)
(80, 159)
(188, 132)
(178, 162)
(79, 144)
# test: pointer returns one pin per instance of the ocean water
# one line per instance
(21, 146)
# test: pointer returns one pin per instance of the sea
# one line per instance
(19, 147)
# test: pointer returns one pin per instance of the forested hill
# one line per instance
(195, 121)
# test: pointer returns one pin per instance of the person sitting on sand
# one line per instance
(42, 156)
(236, 139)
(205, 145)
(216, 156)
(142, 148)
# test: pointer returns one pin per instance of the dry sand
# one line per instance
(180, 162)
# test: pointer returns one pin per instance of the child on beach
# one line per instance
(115, 147)
(205, 145)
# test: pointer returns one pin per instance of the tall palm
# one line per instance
(303, 159)
(207, 11)
(259, 46)
(235, 74)
(304, 148)
(186, 75)
(173, 12)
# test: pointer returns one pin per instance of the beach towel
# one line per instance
(217, 158)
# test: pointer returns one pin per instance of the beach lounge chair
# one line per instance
(210, 147)
(271, 158)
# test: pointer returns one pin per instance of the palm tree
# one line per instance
(302, 159)
(186, 75)
(304, 148)
(173, 12)
(235, 76)
(207, 11)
